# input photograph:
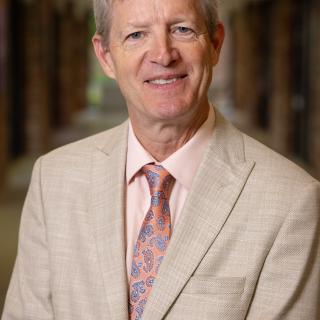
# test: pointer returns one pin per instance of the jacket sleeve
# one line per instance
(289, 283)
(29, 296)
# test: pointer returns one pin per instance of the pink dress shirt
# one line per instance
(182, 165)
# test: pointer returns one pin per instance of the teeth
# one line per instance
(162, 81)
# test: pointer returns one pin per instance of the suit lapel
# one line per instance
(107, 214)
(216, 188)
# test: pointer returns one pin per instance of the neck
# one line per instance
(163, 139)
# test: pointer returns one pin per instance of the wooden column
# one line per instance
(38, 38)
(80, 66)
(281, 79)
(248, 25)
(71, 63)
(4, 88)
(314, 73)
(65, 56)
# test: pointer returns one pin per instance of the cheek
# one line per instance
(202, 70)
(207, 66)
(198, 59)
(131, 71)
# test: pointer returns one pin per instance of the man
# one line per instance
(232, 231)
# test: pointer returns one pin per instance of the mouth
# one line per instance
(165, 80)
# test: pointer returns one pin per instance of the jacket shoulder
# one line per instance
(272, 165)
(82, 149)
(73, 161)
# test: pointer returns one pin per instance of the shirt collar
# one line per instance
(137, 156)
(190, 154)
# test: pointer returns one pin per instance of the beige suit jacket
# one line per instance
(246, 246)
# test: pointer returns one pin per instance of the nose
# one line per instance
(162, 51)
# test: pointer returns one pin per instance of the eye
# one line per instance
(184, 30)
(135, 35)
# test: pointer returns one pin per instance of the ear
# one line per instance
(104, 56)
(217, 42)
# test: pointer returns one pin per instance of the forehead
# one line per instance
(130, 11)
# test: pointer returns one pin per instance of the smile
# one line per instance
(163, 81)
(166, 80)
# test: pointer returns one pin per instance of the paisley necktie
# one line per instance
(152, 241)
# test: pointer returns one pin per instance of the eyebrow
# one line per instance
(138, 24)
(145, 24)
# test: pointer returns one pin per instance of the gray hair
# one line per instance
(102, 16)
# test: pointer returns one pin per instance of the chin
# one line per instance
(171, 110)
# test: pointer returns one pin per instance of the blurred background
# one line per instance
(52, 91)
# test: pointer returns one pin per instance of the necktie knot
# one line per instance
(159, 179)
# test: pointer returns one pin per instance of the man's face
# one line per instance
(161, 55)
